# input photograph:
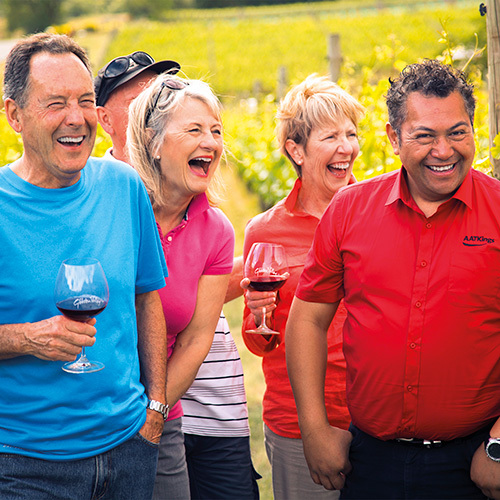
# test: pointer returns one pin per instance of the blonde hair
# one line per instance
(149, 115)
(312, 103)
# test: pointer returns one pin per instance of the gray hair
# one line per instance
(17, 83)
(149, 115)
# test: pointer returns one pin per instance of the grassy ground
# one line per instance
(240, 206)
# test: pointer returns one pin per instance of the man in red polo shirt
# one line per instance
(416, 256)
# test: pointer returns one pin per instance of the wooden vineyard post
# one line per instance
(334, 56)
(493, 46)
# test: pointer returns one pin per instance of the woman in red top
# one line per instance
(317, 131)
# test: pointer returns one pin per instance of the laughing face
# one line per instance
(192, 148)
(436, 147)
(328, 158)
(58, 123)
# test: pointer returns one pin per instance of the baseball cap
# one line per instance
(122, 69)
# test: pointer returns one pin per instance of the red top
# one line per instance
(422, 335)
(294, 229)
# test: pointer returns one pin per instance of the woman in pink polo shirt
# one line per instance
(175, 144)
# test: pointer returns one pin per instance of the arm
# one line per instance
(233, 289)
(486, 472)
(193, 343)
(152, 346)
(53, 339)
(326, 448)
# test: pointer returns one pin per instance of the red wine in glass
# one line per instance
(81, 292)
(267, 270)
(268, 283)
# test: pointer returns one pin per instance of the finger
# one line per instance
(245, 283)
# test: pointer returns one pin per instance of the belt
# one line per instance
(427, 443)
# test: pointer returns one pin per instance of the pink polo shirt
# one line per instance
(203, 243)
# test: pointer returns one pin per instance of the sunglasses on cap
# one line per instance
(169, 84)
(121, 65)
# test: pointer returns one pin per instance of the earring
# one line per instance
(158, 157)
(299, 162)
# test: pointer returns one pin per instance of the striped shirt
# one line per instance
(216, 404)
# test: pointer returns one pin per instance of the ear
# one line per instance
(12, 112)
(105, 120)
(296, 151)
(393, 138)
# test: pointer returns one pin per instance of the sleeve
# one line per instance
(222, 255)
(151, 264)
(322, 278)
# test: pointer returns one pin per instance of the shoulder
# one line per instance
(483, 180)
(109, 167)
(219, 221)
(261, 220)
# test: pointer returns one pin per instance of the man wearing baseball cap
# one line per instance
(116, 85)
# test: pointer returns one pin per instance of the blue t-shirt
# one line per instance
(44, 411)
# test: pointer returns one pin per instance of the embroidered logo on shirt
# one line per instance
(477, 241)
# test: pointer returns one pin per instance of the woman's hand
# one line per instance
(256, 301)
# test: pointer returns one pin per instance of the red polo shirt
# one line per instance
(288, 225)
(422, 335)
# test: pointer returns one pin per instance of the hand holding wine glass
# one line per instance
(267, 270)
(81, 293)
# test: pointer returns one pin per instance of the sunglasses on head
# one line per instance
(120, 65)
(170, 84)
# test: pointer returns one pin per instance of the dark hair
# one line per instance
(16, 83)
(430, 78)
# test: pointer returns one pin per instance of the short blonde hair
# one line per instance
(312, 103)
(149, 115)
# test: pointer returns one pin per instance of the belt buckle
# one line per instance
(421, 442)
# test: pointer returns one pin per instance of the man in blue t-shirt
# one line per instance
(66, 435)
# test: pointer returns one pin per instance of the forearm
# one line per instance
(193, 343)
(306, 354)
(234, 289)
(152, 344)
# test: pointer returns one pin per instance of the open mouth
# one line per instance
(200, 165)
(338, 169)
(441, 168)
(71, 141)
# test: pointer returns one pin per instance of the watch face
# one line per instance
(493, 449)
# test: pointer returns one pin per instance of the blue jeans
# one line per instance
(221, 468)
(126, 472)
(395, 470)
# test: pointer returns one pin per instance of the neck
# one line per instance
(310, 203)
(171, 215)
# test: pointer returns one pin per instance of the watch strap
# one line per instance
(159, 407)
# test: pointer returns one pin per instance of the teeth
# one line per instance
(343, 166)
(72, 140)
(443, 168)
(208, 160)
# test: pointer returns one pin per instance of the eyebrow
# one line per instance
(457, 125)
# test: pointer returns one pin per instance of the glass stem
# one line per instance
(263, 323)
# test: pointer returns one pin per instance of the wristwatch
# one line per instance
(159, 407)
(492, 447)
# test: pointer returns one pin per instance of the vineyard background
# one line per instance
(240, 52)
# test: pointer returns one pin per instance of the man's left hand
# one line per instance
(153, 427)
(486, 473)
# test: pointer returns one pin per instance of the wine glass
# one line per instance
(81, 292)
(267, 270)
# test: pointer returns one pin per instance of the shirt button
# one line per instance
(428, 225)
(409, 388)
(413, 345)
(169, 238)
(418, 304)
(423, 263)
